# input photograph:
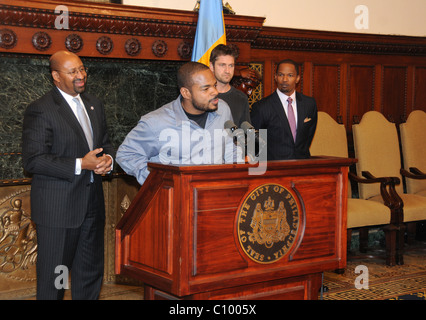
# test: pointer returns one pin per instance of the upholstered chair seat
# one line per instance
(363, 213)
(414, 206)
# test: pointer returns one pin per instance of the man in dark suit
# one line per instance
(287, 138)
(66, 148)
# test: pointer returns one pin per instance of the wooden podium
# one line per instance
(220, 232)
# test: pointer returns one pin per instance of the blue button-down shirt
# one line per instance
(167, 136)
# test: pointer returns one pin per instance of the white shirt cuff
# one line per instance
(78, 166)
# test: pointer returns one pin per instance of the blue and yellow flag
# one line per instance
(210, 30)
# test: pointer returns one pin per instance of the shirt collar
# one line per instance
(283, 97)
(69, 98)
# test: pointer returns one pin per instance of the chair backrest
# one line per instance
(330, 139)
(413, 147)
(377, 150)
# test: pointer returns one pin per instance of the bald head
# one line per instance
(58, 58)
(68, 72)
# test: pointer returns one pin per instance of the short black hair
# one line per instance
(295, 64)
(185, 72)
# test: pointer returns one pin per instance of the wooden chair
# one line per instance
(330, 140)
(413, 149)
(377, 150)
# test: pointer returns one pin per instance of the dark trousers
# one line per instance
(77, 250)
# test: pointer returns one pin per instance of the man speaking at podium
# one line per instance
(188, 130)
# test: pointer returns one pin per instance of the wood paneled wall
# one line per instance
(349, 74)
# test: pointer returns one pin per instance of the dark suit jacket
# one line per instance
(269, 114)
(52, 140)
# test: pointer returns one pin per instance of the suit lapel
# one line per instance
(301, 112)
(301, 115)
(91, 111)
(65, 111)
(279, 110)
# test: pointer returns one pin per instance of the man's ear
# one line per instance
(186, 94)
(55, 76)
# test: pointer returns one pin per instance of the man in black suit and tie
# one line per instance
(66, 148)
(289, 116)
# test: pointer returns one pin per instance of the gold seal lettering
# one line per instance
(268, 223)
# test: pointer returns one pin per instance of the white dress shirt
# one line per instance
(284, 102)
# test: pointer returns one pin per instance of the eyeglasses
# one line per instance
(74, 72)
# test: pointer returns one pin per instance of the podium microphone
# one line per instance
(247, 126)
(230, 125)
(237, 133)
(252, 133)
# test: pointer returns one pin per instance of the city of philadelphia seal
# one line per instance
(267, 223)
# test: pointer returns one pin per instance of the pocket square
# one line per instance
(307, 120)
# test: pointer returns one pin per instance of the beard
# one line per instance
(224, 79)
(286, 89)
(209, 107)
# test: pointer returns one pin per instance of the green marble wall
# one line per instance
(128, 89)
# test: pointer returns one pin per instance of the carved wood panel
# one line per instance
(394, 92)
(360, 91)
(327, 96)
(419, 101)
